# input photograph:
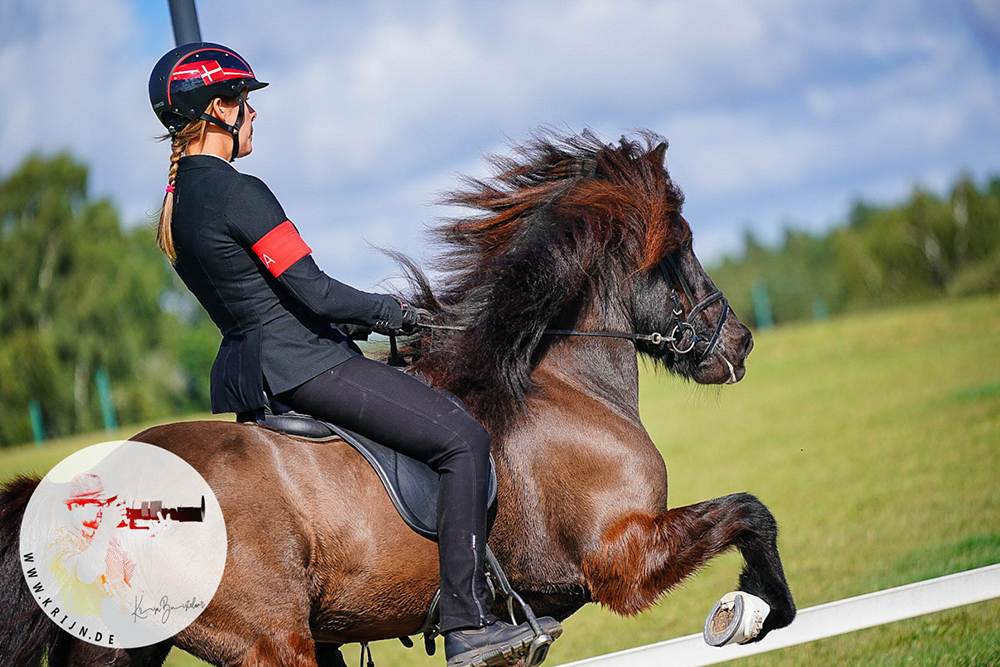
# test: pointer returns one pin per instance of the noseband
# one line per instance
(683, 337)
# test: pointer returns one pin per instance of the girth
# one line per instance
(411, 484)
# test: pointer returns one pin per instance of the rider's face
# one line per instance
(246, 130)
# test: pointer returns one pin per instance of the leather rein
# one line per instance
(682, 338)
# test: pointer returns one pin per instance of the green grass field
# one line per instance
(875, 440)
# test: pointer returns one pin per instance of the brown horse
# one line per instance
(573, 236)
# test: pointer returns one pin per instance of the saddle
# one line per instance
(411, 484)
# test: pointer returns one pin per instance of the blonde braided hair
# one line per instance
(178, 146)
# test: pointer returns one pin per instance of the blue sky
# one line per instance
(777, 112)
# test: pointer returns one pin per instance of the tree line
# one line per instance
(84, 302)
(927, 247)
(81, 298)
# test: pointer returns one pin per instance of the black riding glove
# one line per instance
(411, 319)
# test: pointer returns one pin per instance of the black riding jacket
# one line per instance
(250, 269)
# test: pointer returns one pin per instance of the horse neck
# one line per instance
(604, 368)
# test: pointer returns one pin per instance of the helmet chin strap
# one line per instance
(234, 129)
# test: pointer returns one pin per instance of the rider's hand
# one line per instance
(411, 319)
(409, 322)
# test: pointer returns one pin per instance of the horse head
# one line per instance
(575, 236)
(684, 322)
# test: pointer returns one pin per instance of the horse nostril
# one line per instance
(747, 344)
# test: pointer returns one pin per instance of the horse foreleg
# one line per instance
(641, 556)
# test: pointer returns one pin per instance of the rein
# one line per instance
(682, 329)
(655, 338)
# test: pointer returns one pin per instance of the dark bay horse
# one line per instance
(572, 236)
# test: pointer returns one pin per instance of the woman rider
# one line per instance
(229, 240)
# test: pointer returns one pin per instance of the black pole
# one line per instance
(185, 20)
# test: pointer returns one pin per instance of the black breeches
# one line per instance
(402, 413)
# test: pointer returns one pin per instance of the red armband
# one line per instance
(280, 248)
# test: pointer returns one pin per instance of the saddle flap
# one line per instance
(411, 485)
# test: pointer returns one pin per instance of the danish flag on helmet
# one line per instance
(209, 71)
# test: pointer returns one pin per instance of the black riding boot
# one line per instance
(495, 643)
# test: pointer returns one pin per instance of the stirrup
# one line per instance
(539, 648)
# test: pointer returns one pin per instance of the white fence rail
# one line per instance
(820, 622)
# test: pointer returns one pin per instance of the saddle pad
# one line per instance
(412, 485)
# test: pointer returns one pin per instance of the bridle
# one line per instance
(685, 325)
(682, 338)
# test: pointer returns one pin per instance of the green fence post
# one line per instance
(37, 424)
(104, 394)
(761, 305)
(820, 313)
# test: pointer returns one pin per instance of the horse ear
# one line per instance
(658, 155)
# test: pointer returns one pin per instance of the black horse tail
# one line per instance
(26, 633)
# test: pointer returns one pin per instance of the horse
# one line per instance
(572, 261)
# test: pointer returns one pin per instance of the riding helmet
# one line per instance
(187, 77)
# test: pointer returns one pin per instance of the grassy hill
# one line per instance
(874, 439)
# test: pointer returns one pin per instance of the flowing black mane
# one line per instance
(557, 218)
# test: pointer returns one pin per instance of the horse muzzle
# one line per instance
(725, 363)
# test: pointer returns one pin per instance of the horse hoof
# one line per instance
(735, 619)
